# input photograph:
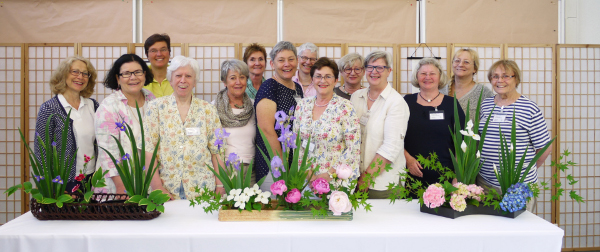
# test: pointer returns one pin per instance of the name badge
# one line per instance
(298, 99)
(436, 115)
(364, 119)
(499, 118)
(192, 131)
(310, 148)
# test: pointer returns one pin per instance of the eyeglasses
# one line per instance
(505, 77)
(304, 58)
(379, 68)
(356, 70)
(77, 73)
(128, 74)
(457, 62)
(318, 78)
(162, 50)
(428, 74)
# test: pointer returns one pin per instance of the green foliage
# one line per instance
(561, 166)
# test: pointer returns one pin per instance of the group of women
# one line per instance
(365, 128)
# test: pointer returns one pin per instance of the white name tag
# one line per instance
(364, 119)
(298, 99)
(436, 115)
(311, 148)
(192, 131)
(499, 118)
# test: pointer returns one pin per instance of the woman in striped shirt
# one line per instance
(531, 129)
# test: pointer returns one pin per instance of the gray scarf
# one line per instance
(228, 118)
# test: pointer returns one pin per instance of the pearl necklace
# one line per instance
(324, 105)
(431, 99)
(369, 96)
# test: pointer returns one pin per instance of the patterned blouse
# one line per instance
(113, 109)
(186, 147)
(335, 134)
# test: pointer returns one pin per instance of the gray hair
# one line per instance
(349, 59)
(182, 61)
(429, 61)
(309, 46)
(375, 55)
(281, 46)
(234, 65)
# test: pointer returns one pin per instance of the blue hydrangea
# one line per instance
(516, 197)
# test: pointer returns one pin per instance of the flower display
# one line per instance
(515, 198)
(434, 196)
(293, 196)
(276, 166)
(458, 203)
(475, 192)
(339, 203)
(320, 186)
(278, 188)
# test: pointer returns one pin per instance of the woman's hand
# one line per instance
(220, 190)
(413, 165)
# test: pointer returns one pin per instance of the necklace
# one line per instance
(431, 99)
(238, 106)
(324, 105)
(134, 112)
(369, 96)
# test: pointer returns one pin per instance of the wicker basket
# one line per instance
(102, 207)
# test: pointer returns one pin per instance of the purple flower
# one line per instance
(288, 138)
(58, 180)
(220, 134)
(219, 143)
(54, 143)
(38, 178)
(120, 126)
(276, 164)
(143, 168)
(280, 116)
(233, 159)
(37, 134)
(126, 157)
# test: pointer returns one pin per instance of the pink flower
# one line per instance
(339, 203)
(320, 185)
(475, 192)
(462, 189)
(278, 187)
(80, 177)
(86, 158)
(458, 203)
(343, 171)
(75, 188)
(434, 196)
(293, 196)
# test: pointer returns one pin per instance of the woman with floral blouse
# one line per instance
(331, 123)
(186, 127)
(127, 77)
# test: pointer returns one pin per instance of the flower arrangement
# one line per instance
(136, 178)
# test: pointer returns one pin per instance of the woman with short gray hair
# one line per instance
(308, 53)
(236, 111)
(352, 70)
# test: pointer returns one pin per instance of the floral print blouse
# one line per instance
(335, 134)
(113, 109)
(186, 147)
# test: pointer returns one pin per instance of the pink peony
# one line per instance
(278, 187)
(343, 171)
(339, 203)
(458, 203)
(475, 191)
(434, 196)
(293, 196)
(320, 185)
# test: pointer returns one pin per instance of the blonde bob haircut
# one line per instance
(58, 81)
(509, 66)
(429, 61)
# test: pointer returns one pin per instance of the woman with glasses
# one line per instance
(531, 129)
(383, 116)
(72, 83)
(255, 57)
(307, 56)
(279, 93)
(158, 51)
(330, 122)
(431, 117)
(465, 64)
(352, 73)
(127, 77)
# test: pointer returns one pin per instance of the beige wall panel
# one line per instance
(58, 21)
(485, 21)
(212, 21)
(349, 21)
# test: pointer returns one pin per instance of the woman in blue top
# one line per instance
(279, 93)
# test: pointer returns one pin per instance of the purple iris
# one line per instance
(38, 178)
(120, 126)
(126, 157)
(220, 134)
(234, 160)
(280, 117)
(58, 180)
(143, 168)
(287, 138)
(54, 143)
(276, 164)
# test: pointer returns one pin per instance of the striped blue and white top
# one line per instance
(531, 134)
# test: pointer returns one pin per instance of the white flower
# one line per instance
(463, 146)
(475, 136)
(256, 189)
(233, 194)
(470, 125)
(495, 170)
(478, 154)
(249, 191)
(470, 133)
(345, 183)
(263, 197)
(240, 204)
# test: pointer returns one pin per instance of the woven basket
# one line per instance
(102, 207)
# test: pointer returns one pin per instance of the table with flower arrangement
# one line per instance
(398, 227)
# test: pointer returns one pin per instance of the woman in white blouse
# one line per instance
(383, 116)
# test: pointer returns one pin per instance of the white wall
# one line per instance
(582, 22)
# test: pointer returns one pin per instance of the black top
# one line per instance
(341, 93)
(424, 136)
(284, 98)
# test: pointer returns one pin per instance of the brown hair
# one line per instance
(154, 38)
(254, 47)
(325, 62)
(508, 65)
(58, 81)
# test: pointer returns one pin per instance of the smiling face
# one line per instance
(307, 59)
(505, 83)
(353, 78)
(463, 65)
(429, 77)
(324, 81)
(79, 82)
(257, 63)
(236, 84)
(376, 78)
(158, 54)
(285, 64)
(133, 84)
(183, 81)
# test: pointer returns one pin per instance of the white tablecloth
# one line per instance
(399, 227)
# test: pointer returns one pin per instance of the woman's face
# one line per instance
(463, 65)
(354, 73)
(377, 77)
(183, 81)
(235, 83)
(284, 64)
(135, 82)
(257, 63)
(429, 77)
(324, 81)
(158, 54)
(307, 60)
(77, 78)
(503, 81)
